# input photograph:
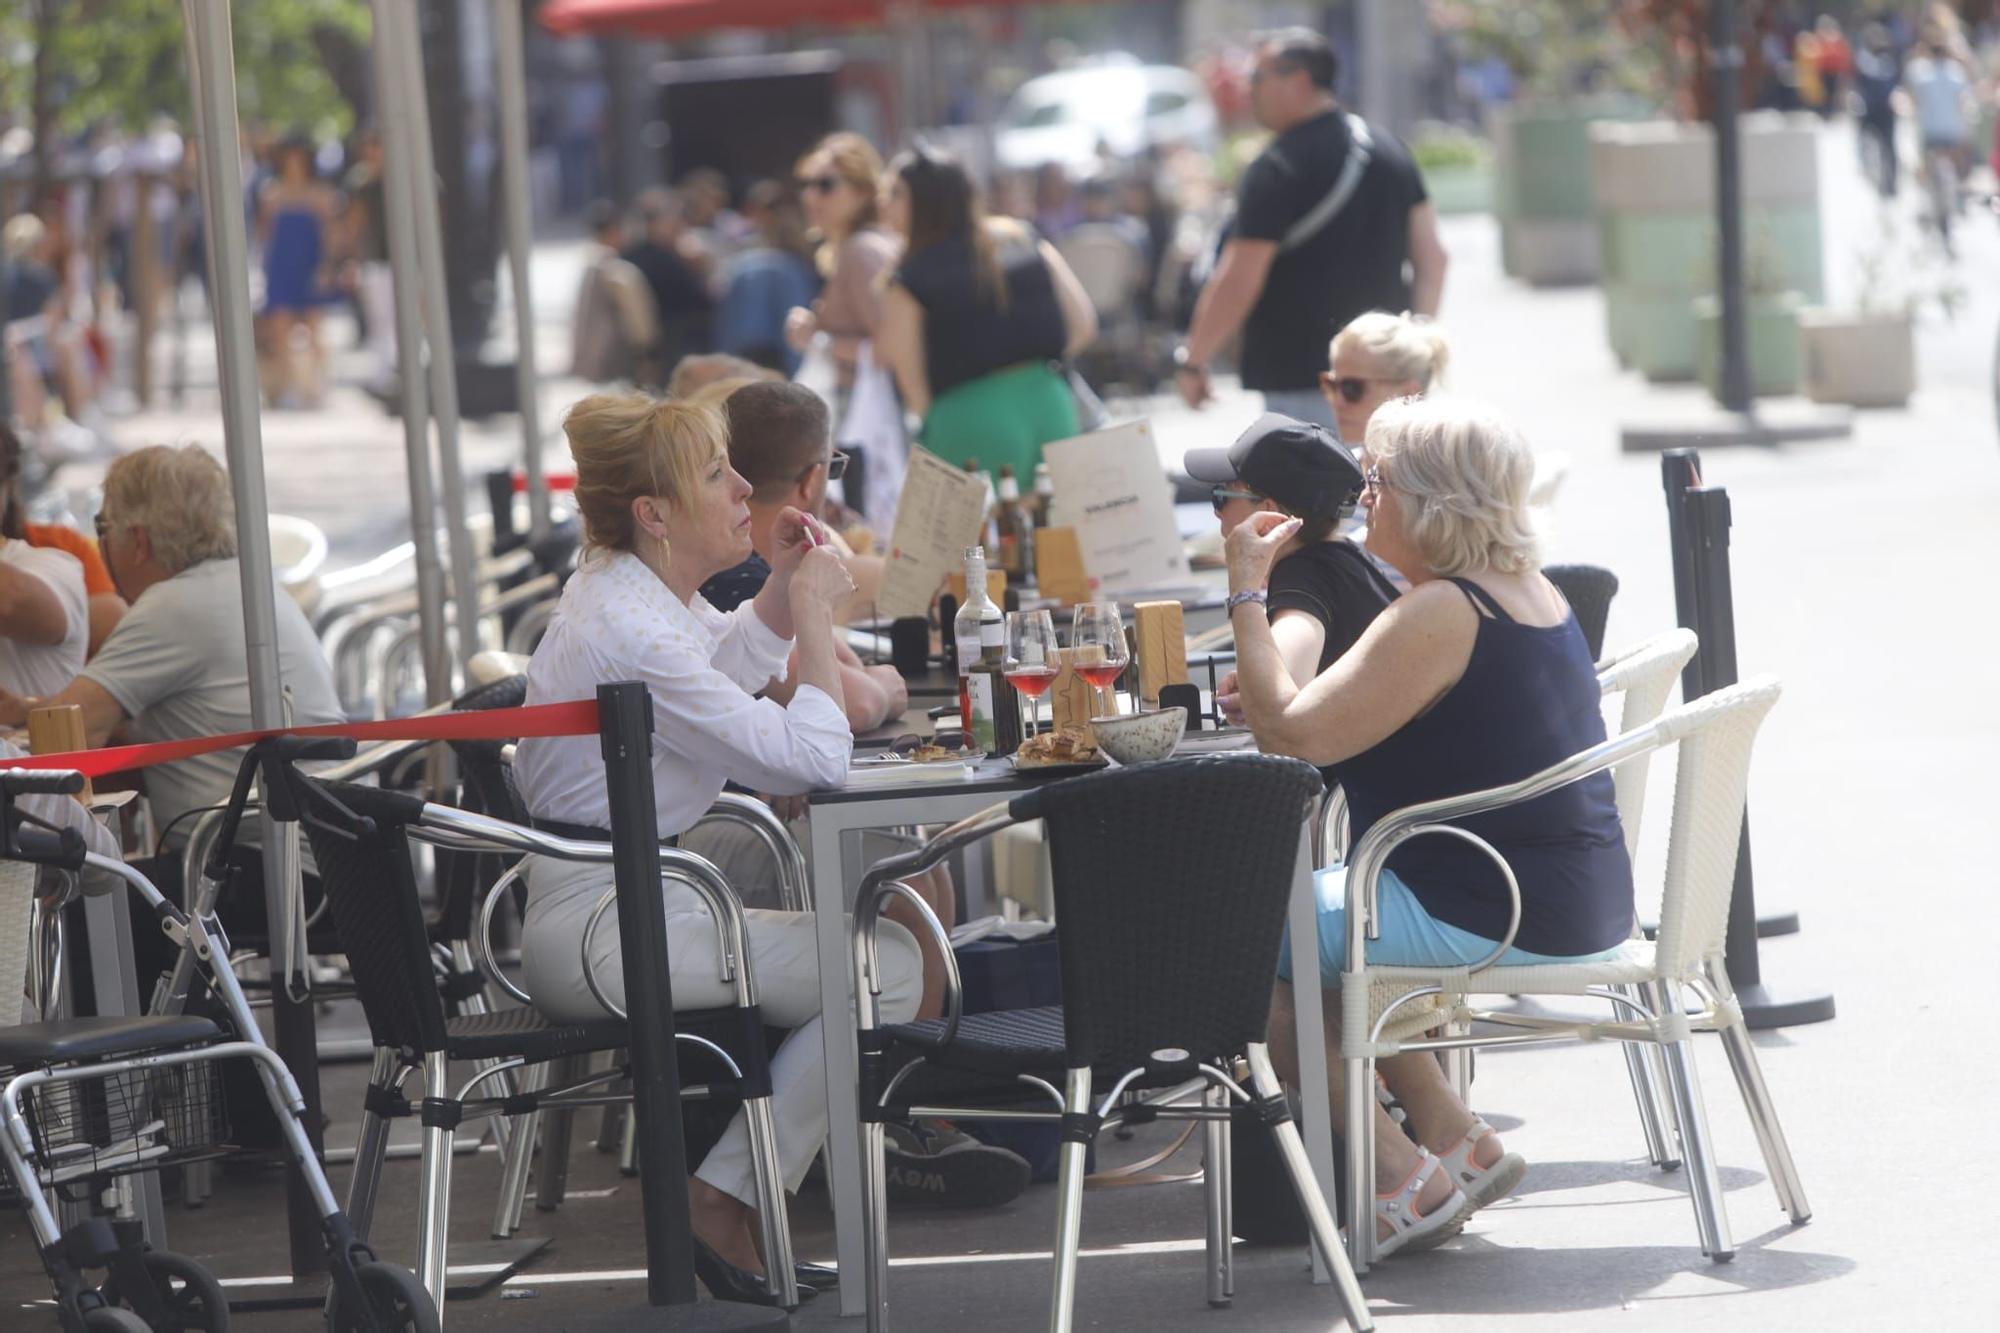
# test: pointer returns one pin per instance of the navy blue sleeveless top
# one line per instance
(1528, 699)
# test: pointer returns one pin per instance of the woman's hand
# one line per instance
(794, 534)
(1252, 547)
(1229, 700)
(820, 581)
(800, 326)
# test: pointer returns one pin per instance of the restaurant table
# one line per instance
(879, 803)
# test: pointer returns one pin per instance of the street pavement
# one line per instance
(1858, 569)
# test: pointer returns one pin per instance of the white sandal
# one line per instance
(1409, 1230)
(1483, 1185)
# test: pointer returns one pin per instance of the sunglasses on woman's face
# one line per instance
(821, 184)
(1352, 388)
(1220, 496)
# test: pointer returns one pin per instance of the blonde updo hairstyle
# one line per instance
(1461, 474)
(627, 445)
(1406, 348)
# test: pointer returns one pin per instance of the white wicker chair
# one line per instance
(1715, 736)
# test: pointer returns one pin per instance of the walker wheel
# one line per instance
(397, 1302)
(111, 1319)
(185, 1298)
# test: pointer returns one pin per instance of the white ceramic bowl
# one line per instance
(1141, 737)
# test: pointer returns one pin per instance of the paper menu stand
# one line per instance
(1162, 647)
(1073, 701)
(1113, 490)
(942, 511)
(1059, 566)
(58, 730)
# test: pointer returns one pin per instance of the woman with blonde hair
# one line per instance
(1378, 357)
(1476, 678)
(663, 512)
(839, 182)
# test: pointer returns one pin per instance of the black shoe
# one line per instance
(820, 1275)
(726, 1282)
(947, 1169)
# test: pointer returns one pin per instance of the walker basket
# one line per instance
(86, 1129)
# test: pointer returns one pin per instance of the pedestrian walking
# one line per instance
(1331, 221)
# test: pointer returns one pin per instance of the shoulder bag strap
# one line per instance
(1359, 152)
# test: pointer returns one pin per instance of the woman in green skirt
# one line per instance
(975, 319)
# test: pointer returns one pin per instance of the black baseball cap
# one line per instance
(1303, 467)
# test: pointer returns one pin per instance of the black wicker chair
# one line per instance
(1171, 882)
(1588, 589)
(360, 837)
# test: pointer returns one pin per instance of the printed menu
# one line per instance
(1112, 489)
(942, 511)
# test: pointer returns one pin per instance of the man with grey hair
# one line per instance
(177, 666)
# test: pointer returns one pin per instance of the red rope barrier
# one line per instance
(578, 718)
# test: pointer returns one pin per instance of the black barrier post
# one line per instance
(1706, 528)
(1680, 473)
(625, 730)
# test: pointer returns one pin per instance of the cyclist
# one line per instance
(1939, 87)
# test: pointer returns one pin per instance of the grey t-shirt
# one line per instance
(178, 667)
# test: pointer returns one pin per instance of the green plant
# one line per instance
(1559, 48)
(1438, 147)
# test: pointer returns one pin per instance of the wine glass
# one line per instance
(1031, 659)
(1097, 636)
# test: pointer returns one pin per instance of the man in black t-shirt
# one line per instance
(1325, 591)
(1315, 242)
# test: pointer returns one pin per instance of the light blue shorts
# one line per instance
(1410, 937)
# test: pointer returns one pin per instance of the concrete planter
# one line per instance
(1653, 186)
(1863, 360)
(1772, 326)
(1459, 190)
(1542, 188)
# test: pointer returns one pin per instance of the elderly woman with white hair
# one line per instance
(1477, 677)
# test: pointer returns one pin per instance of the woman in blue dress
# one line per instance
(293, 210)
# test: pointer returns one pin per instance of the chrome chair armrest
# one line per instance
(725, 910)
(481, 942)
(794, 885)
(1364, 866)
(888, 877)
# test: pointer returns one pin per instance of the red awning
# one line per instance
(688, 18)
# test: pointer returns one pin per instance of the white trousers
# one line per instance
(784, 953)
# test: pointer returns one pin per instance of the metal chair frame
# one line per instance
(1657, 1020)
(1075, 1103)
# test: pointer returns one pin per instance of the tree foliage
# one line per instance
(1559, 48)
(125, 61)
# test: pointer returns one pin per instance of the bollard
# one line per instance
(1680, 472)
(1700, 523)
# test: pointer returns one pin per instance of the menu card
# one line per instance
(942, 511)
(1114, 492)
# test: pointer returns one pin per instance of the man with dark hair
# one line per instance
(781, 442)
(675, 267)
(1331, 221)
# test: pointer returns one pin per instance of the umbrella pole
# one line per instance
(507, 43)
(212, 73)
(397, 187)
(406, 52)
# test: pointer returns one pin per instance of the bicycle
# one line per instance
(89, 1102)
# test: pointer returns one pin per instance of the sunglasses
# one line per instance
(1353, 388)
(1373, 480)
(836, 466)
(821, 184)
(103, 526)
(1220, 496)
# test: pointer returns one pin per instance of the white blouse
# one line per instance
(616, 622)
